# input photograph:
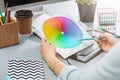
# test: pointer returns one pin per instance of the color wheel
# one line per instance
(62, 32)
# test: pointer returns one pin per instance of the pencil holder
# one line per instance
(107, 16)
(9, 34)
(107, 19)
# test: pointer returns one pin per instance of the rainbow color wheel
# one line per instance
(62, 32)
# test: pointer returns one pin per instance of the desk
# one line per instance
(28, 49)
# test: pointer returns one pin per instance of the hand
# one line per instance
(47, 50)
(106, 42)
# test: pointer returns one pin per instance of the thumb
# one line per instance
(43, 41)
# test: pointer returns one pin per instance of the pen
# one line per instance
(2, 17)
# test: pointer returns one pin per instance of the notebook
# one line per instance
(25, 70)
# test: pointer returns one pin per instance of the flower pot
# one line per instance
(86, 12)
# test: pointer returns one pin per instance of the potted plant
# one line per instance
(86, 10)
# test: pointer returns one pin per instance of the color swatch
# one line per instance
(62, 32)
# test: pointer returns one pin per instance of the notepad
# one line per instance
(25, 70)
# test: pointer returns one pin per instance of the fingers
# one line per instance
(100, 44)
(43, 41)
(106, 35)
(43, 44)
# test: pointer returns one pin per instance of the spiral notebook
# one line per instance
(25, 70)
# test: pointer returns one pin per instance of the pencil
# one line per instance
(1, 21)
(2, 17)
(8, 15)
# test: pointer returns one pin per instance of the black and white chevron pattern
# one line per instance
(25, 70)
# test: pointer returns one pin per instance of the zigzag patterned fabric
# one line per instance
(25, 70)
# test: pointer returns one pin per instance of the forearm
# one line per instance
(55, 64)
(48, 52)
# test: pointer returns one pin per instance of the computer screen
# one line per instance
(18, 4)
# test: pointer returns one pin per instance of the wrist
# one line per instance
(52, 61)
(48, 58)
(47, 55)
(55, 64)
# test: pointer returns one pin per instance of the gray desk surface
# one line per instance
(28, 49)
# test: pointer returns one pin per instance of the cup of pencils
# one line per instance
(8, 30)
(24, 19)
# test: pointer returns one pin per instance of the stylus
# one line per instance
(83, 39)
(115, 35)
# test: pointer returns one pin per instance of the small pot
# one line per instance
(86, 12)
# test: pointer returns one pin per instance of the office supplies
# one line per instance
(25, 70)
(9, 34)
(2, 17)
(8, 15)
(83, 39)
(107, 19)
(1, 21)
(107, 16)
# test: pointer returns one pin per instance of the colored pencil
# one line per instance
(1, 21)
(2, 17)
(8, 15)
